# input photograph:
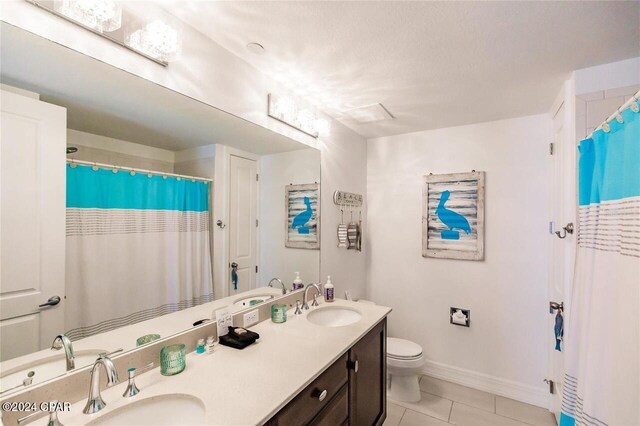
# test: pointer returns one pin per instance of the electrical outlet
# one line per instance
(251, 318)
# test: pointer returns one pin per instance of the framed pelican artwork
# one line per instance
(302, 226)
(453, 216)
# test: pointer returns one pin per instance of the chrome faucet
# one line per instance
(95, 402)
(284, 289)
(62, 341)
(305, 305)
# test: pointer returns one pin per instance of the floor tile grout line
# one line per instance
(500, 415)
(402, 416)
(463, 402)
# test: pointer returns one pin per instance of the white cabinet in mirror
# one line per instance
(124, 234)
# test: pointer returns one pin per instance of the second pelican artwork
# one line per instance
(302, 204)
(453, 216)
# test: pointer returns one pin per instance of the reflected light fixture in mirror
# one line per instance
(99, 15)
(298, 115)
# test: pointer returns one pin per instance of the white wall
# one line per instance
(505, 345)
(102, 149)
(276, 172)
(607, 76)
(344, 167)
(211, 74)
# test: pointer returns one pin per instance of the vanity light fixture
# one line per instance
(156, 39)
(99, 15)
(298, 115)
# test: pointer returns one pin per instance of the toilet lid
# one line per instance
(403, 349)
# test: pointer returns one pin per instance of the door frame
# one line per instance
(221, 212)
(563, 209)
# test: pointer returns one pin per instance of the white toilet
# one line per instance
(404, 364)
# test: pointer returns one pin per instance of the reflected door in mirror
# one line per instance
(32, 144)
(243, 229)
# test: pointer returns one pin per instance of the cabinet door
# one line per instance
(368, 377)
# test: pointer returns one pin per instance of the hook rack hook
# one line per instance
(568, 229)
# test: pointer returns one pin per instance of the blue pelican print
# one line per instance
(302, 218)
(451, 219)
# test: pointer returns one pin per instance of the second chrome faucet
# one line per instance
(305, 304)
(95, 402)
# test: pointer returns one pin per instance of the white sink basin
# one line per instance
(253, 300)
(172, 409)
(331, 316)
(46, 368)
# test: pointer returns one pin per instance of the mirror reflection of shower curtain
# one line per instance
(137, 248)
(602, 337)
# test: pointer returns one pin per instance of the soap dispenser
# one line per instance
(297, 283)
(328, 290)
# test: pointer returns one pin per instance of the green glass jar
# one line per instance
(278, 313)
(172, 359)
(147, 338)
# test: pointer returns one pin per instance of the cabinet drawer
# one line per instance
(336, 412)
(306, 405)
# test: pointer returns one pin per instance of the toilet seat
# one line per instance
(401, 349)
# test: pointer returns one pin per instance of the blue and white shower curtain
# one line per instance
(602, 339)
(137, 247)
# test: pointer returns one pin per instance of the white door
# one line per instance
(33, 138)
(243, 206)
(563, 193)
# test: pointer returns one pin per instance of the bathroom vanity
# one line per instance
(326, 366)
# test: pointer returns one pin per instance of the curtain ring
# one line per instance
(132, 172)
(114, 170)
(606, 127)
(149, 175)
(634, 106)
(94, 167)
(619, 118)
(73, 164)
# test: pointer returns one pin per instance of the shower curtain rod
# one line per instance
(634, 98)
(133, 169)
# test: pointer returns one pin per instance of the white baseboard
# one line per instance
(484, 382)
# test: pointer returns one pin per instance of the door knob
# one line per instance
(556, 306)
(53, 300)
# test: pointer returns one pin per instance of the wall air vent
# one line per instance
(370, 113)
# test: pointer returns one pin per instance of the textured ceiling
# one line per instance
(432, 64)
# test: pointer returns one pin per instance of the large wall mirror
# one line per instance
(130, 211)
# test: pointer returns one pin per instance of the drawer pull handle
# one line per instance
(321, 395)
(354, 365)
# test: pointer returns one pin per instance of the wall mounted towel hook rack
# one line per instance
(568, 229)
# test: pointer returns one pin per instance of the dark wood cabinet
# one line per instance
(368, 378)
(352, 391)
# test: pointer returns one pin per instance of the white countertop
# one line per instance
(247, 387)
(125, 337)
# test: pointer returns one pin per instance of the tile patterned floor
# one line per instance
(445, 403)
